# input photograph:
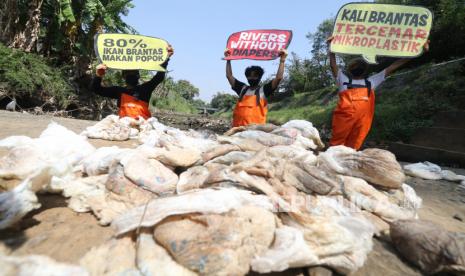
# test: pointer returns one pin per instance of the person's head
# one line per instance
(131, 77)
(254, 75)
(357, 68)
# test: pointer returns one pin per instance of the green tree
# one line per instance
(320, 60)
(223, 100)
(297, 74)
(199, 103)
(20, 23)
(447, 34)
(167, 97)
(187, 90)
(183, 88)
(308, 74)
(63, 32)
(62, 29)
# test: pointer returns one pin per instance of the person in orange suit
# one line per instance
(355, 110)
(252, 106)
(133, 99)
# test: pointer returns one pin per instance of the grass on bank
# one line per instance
(26, 75)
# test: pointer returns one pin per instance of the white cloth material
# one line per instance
(251, 92)
(375, 80)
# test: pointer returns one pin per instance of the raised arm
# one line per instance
(229, 73)
(400, 62)
(396, 65)
(332, 58)
(280, 74)
(159, 76)
(96, 84)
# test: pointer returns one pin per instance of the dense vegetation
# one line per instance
(32, 77)
(176, 96)
(59, 36)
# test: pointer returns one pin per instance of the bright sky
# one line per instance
(199, 29)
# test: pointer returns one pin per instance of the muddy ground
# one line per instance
(64, 235)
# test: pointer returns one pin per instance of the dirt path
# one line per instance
(57, 231)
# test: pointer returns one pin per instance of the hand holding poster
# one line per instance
(374, 30)
(258, 44)
(131, 52)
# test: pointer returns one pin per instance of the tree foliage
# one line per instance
(47, 84)
(176, 96)
(61, 29)
(447, 34)
(198, 103)
(183, 88)
(308, 74)
(223, 100)
(167, 97)
(187, 90)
